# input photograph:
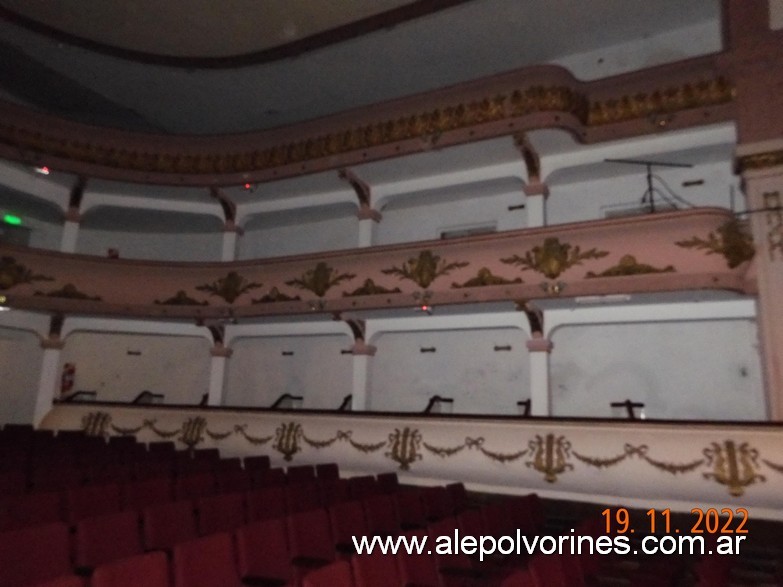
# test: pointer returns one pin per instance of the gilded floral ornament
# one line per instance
(320, 279)
(96, 424)
(734, 465)
(68, 292)
(229, 287)
(181, 299)
(628, 265)
(550, 456)
(287, 437)
(13, 273)
(192, 431)
(275, 295)
(553, 257)
(424, 269)
(484, 277)
(404, 447)
(732, 241)
(369, 288)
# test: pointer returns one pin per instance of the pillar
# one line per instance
(361, 375)
(368, 217)
(535, 204)
(217, 374)
(231, 233)
(762, 173)
(49, 381)
(70, 231)
(539, 349)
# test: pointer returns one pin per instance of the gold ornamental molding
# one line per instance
(731, 463)
(702, 248)
(571, 103)
(760, 161)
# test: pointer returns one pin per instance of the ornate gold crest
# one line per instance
(320, 279)
(424, 269)
(553, 257)
(229, 287)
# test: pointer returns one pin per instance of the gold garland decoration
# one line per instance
(255, 440)
(444, 452)
(218, 435)
(319, 444)
(364, 448)
(127, 431)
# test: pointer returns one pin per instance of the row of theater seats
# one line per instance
(280, 550)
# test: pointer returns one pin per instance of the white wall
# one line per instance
(20, 365)
(681, 370)
(175, 366)
(588, 200)
(154, 246)
(258, 372)
(465, 367)
(426, 220)
(699, 39)
(294, 239)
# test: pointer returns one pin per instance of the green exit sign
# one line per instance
(11, 219)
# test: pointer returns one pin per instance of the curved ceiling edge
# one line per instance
(350, 30)
(671, 97)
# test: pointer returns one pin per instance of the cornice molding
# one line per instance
(535, 97)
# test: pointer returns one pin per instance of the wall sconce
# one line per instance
(428, 349)
(553, 288)
(288, 353)
(506, 347)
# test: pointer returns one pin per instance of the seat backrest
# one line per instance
(262, 550)
(256, 462)
(102, 539)
(331, 575)
(149, 570)
(309, 536)
(375, 570)
(221, 513)
(168, 524)
(206, 562)
(92, 500)
(265, 504)
(34, 554)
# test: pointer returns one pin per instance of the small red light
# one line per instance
(247, 186)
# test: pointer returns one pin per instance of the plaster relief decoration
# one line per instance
(731, 240)
(628, 265)
(404, 447)
(96, 424)
(320, 279)
(181, 299)
(241, 430)
(287, 437)
(550, 456)
(734, 465)
(475, 444)
(229, 287)
(704, 92)
(424, 269)
(485, 277)
(773, 205)
(68, 292)
(13, 273)
(551, 259)
(274, 295)
(370, 288)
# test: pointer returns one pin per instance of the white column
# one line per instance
(539, 349)
(361, 375)
(764, 191)
(229, 252)
(361, 368)
(49, 381)
(367, 219)
(70, 237)
(217, 375)
(535, 204)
